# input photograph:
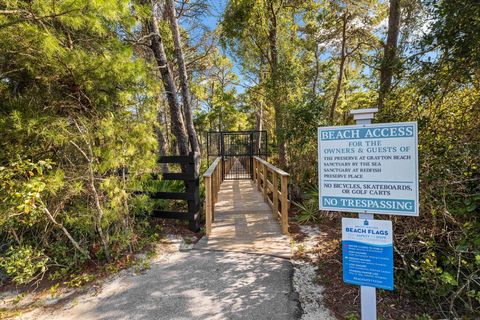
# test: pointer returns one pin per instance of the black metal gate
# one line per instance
(237, 149)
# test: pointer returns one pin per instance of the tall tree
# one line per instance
(390, 57)
(273, 12)
(346, 31)
(182, 71)
(341, 67)
(161, 133)
(260, 30)
(259, 111)
(176, 117)
(216, 92)
(76, 116)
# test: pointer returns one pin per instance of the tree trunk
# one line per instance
(317, 73)
(390, 52)
(176, 118)
(96, 196)
(161, 136)
(211, 121)
(258, 126)
(274, 90)
(259, 110)
(182, 71)
(343, 58)
(220, 118)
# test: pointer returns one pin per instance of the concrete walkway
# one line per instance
(245, 223)
(195, 285)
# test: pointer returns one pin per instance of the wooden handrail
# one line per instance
(212, 179)
(261, 171)
(271, 167)
(212, 168)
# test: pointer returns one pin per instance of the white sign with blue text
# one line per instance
(367, 252)
(369, 168)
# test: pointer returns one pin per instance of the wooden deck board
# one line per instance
(245, 223)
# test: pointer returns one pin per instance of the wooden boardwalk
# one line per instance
(245, 223)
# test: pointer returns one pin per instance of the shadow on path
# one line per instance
(195, 285)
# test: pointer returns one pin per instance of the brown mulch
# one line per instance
(175, 227)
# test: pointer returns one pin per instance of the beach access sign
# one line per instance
(367, 252)
(369, 168)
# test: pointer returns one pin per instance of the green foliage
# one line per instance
(215, 91)
(77, 119)
(24, 263)
(441, 264)
(79, 280)
(456, 27)
(21, 186)
(303, 120)
(442, 258)
(309, 212)
(351, 316)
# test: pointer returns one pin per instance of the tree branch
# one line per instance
(65, 231)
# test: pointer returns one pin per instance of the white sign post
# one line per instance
(369, 168)
(368, 295)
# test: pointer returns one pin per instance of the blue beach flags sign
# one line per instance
(367, 252)
(369, 168)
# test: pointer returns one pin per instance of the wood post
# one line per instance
(284, 201)
(275, 194)
(265, 185)
(212, 179)
(214, 192)
(215, 184)
(258, 175)
(208, 206)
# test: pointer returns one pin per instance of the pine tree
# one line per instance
(77, 133)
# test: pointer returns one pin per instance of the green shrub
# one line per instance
(77, 121)
(24, 263)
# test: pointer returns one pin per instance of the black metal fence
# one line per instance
(237, 149)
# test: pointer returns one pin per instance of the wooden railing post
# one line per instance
(214, 191)
(215, 184)
(212, 179)
(258, 175)
(275, 194)
(284, 202)
(265, 185)
(280, 192)
(209, 205)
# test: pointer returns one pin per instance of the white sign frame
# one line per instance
(414, 153)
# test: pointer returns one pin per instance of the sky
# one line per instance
(216, 7)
